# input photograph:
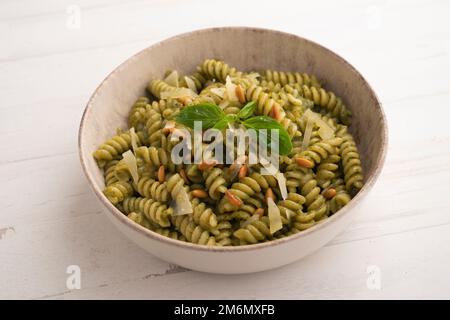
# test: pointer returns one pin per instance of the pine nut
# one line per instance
(302, 162)
(240, 94)
(269, 194)
(161, 174)
(243, 171)
(233, 199)
(199, 193)
(330, 193)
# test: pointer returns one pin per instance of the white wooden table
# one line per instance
(54, 53)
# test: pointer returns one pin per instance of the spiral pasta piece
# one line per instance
(254, 232)
(326, 171)
(314, 200)
(229, 212)
(294, 176)
(122, 171)
(169, 233)
(174, 184)
(110, 172)
(156, 87)
(193, 232)
(341, 198)
(215, 183)
(351, 162)
(265, 104)
(264, 181)
(327, 100)
(303, 221)
(223, 233)
(284, 78)
(153, 210)
(245, 188)
(321, 150)
(202, 215)
(118, 191)
(216, 69)
(137, 114)
(271, 86)
(193, 173)
(154, 127)
(140, 218)
(113, 148)
(155, 157)
(291, 205)
(167, 108)
(150, 188)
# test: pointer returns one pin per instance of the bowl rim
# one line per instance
(117, 214)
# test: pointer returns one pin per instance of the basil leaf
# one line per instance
(247, 110)
(208, 114)
(222, 124)
(264, 122)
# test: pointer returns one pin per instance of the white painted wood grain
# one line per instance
(51, 219)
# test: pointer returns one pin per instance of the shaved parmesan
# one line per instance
(282, 184)
(218, 92)
(308, 133)
(181, 205)
(178, 93)
(130, 160)
(191, 84)
(275, 223)
(223, 104)
(254, 76)
(310, 115)
(289, 214)
(134, 139)
(172, 79)
(231, 90)
(325, 131)
(250, 220)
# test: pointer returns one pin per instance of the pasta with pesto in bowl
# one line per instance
(213, 198)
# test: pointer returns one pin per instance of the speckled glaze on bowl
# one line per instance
(246, 49)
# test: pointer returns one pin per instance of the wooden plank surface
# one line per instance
(50, 219)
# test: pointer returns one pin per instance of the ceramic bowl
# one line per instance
(246, 49)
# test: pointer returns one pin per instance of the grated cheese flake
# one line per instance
(190, 83)
(218, 92)
(230, 90)
(275, 223)
(178, 93)
(130, 160)
(181, 205)
(172, 79)
(282, 184)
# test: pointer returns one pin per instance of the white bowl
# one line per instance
(246, 49)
